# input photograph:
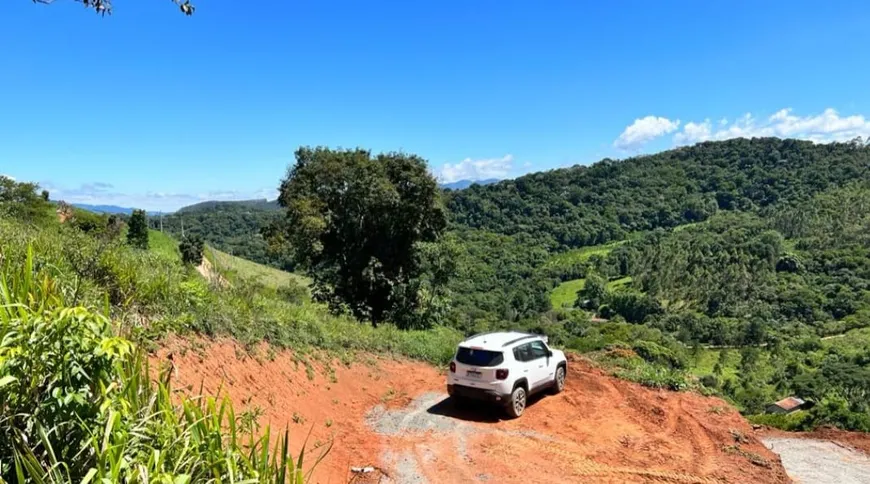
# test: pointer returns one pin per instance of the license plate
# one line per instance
(473, 374)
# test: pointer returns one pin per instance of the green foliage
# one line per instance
(21, 201)
(424, 299)
(593, 293)
(137, 231)
(624, 364)
(793, 422)
(655, 353)
(89, 222)
(355, 221)
(498, 284)
(191, 248)
(632, 306)
(78, 403)
(709, 381)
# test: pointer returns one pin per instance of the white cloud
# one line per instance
(469, 169)
(99, 193)
(643, 130)
(696, 131)
(7, 176)
(825, 127)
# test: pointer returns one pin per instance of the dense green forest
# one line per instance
(608, 200)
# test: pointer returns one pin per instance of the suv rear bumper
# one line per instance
(477, 394)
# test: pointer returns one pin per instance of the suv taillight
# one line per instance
(452, 367)
(501, 374)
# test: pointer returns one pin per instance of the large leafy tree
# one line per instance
(358, 223)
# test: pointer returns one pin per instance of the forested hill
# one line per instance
(588, 205)
(233, 227)
(235, 205)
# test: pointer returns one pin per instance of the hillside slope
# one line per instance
(588, 205)
(394, 415)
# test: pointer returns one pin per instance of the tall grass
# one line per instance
(150, 294)
(78, 404)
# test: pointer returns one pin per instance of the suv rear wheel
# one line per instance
(517, 405)
(559, 380)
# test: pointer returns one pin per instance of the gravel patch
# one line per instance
(413, 418)
(417, 418)
(405, 468)
(820, 461)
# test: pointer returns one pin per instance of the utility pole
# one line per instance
(182, 228)
(161, 222)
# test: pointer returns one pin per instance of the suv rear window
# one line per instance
(473, 357)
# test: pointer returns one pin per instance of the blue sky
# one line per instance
(153, 109)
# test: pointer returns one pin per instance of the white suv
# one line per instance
(505, 368)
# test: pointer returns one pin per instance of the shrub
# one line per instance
(191, 248)
(137, 232)
(655, 377)
(710, 381)
(633, 306)
(655, 353)
(293, 292)
(793, 422)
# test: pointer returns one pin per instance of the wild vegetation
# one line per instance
(78, 403)
(78, 308)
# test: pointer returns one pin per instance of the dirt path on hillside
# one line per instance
(820, 461)
(394, 416)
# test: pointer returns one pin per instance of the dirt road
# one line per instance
(394, 416)
(820, 461)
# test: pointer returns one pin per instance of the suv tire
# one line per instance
(559, 380)
(517, 404)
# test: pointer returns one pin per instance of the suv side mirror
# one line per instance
(549, 353)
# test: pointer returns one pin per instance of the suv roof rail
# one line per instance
(480, 334)
(525, 336)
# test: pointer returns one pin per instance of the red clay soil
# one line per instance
(600, 429)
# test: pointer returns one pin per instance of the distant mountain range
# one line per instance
(111, 209)
(256, 204)
(463, 184)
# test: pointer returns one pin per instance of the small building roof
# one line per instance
(789, 403)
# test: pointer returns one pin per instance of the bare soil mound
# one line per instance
(394, 416)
